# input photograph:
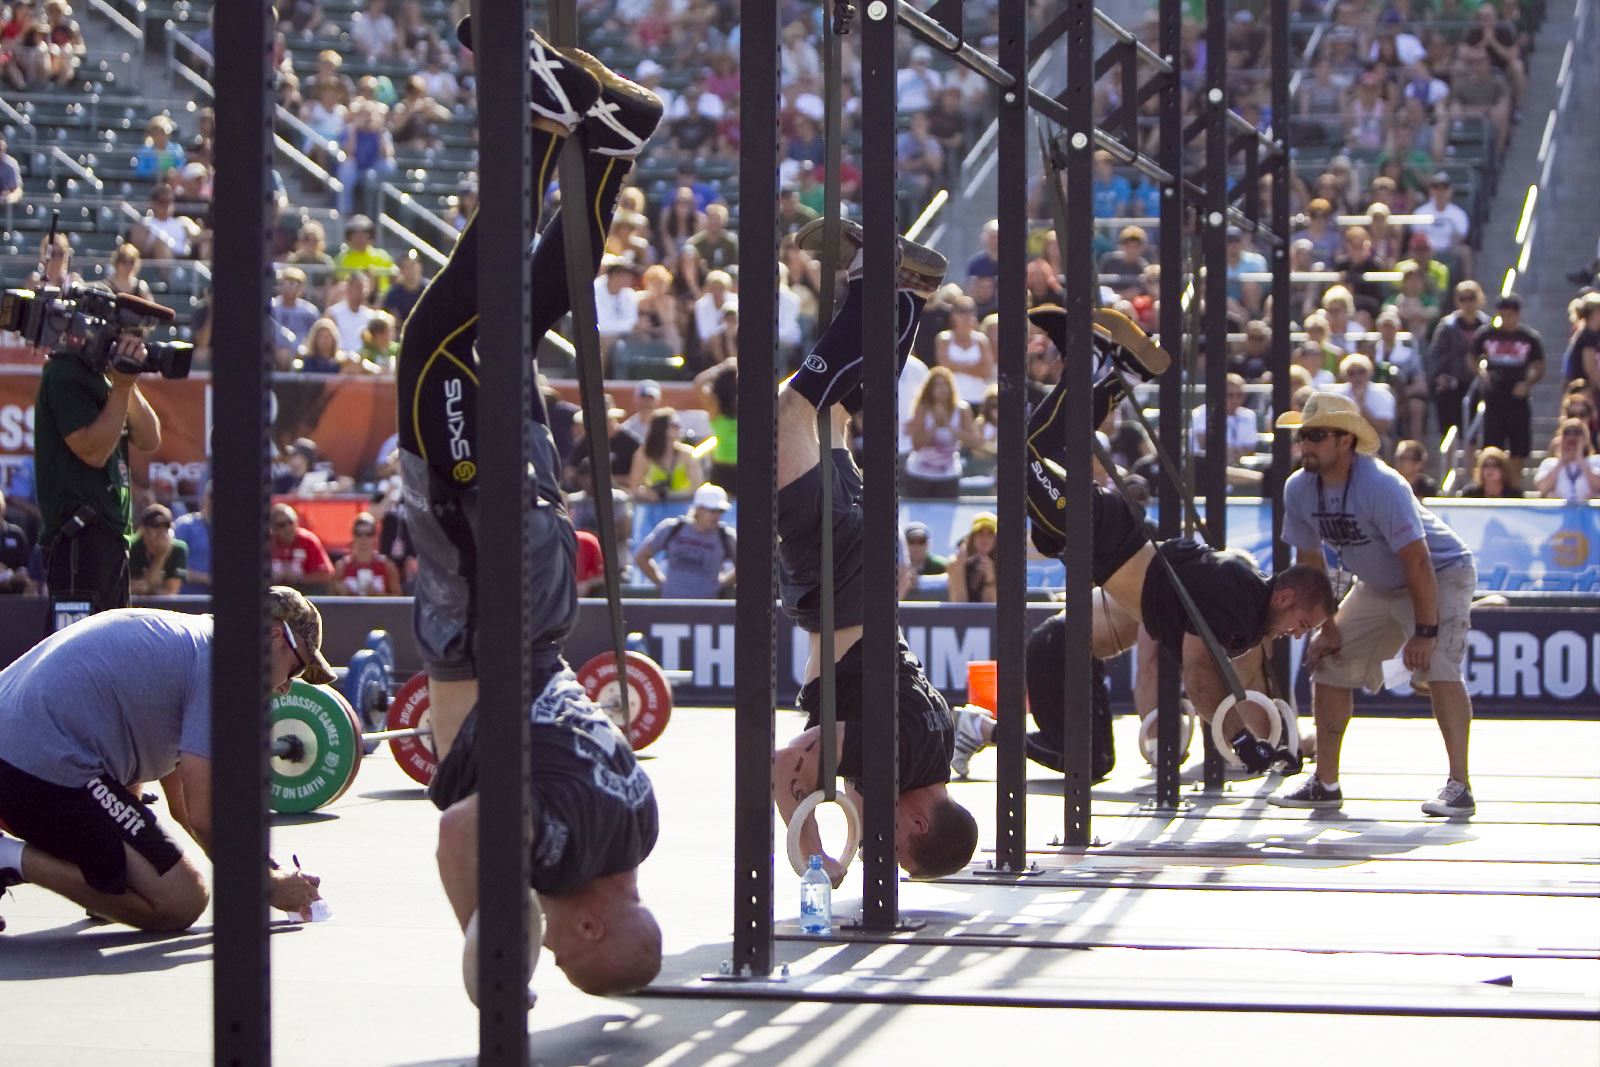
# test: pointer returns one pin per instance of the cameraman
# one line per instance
(85, 421)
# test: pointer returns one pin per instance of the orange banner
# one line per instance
(348, 417)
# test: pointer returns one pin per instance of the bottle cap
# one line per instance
(816, 863)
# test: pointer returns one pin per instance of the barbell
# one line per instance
(319, 736)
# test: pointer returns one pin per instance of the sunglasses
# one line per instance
(288, 639)
(1317, 436)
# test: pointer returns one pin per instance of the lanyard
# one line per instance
(1322, 508)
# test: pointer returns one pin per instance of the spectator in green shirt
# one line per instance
(361, 254)
(157, 562)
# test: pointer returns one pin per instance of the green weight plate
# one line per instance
(315, 715)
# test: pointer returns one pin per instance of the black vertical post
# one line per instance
(241, 978)
(1081, 285)
(880, 589)
(1213, 230)
(1011, 788)
(754, 638)
(1171, 388)
(1279, 356)
(240, 983)
(506, 381)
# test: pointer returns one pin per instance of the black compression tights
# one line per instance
(831, 373)
(1047, 448)
(436, 373)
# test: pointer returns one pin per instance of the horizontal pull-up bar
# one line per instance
(930, 31)
(1245, 126)
(1320, 276)
(933, 33)
(1142, 50)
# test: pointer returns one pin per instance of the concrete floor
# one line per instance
(1359, 928)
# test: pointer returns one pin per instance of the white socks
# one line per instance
(10, 854)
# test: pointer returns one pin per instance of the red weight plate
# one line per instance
(650, 695)
(409, 711)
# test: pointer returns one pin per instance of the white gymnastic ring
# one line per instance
(1291, 725)
(1219, 735)
(1147, 732)
(852, 830)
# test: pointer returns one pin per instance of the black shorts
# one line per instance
(1119, 526)
(800, 545)
(1508, 424)
(85, 825)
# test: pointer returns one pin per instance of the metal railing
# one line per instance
(176, 39)
(125, 24)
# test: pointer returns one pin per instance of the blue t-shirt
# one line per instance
(1365, 522)
(1111, 197)
(119, 694)
(1145, 201)
(1249, 263)
(195, 531)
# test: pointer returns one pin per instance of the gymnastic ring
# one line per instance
(1219, 735)
(1291, 725)
(852, 829)
(1147, 731)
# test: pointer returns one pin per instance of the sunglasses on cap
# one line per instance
(288, 639)
(1319, 435)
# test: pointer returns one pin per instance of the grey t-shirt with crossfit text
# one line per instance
(119, 694)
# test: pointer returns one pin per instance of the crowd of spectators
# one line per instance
(1389, 105)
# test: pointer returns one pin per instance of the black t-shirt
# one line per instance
(1231, 594)
(927, 736)
(594, 811)
(1508, 353)
(1573, 368)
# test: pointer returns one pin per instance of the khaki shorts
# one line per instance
(1374, 624)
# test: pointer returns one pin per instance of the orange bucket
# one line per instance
(981, 684)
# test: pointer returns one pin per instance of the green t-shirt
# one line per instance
(727, 432)
(176, 565)
(71, 396)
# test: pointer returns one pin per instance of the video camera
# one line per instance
(88, 322)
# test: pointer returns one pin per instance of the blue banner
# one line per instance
(1527, 545)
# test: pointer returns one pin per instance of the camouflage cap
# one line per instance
(305, 623)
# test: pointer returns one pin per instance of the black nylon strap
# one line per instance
(575, 200)
(827, 687)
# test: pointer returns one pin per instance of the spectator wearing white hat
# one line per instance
(698, 547)
(616, 303)
(917, 84)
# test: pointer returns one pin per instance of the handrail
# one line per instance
(929, 213)
(19, 120)
(83, 173)
(437, 258)
(176, 37)
(120, 21)
(306, 163)
(410, 203)
(294, 122)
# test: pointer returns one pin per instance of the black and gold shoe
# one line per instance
(626, 114)
(564, 90)
(1118, 336)
(921, 268)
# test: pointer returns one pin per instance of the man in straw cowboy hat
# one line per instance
(1412, 593)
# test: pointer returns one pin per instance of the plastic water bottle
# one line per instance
(816, 900)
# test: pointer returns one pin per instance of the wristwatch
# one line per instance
(1424, 630)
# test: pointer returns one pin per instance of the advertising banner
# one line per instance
(1541, 663)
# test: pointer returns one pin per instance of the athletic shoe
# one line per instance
(1311, 794)
(969, 738)
(1115, 335)
(921, 268)
(563, 90)
(625, 115)
(1454, 799)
